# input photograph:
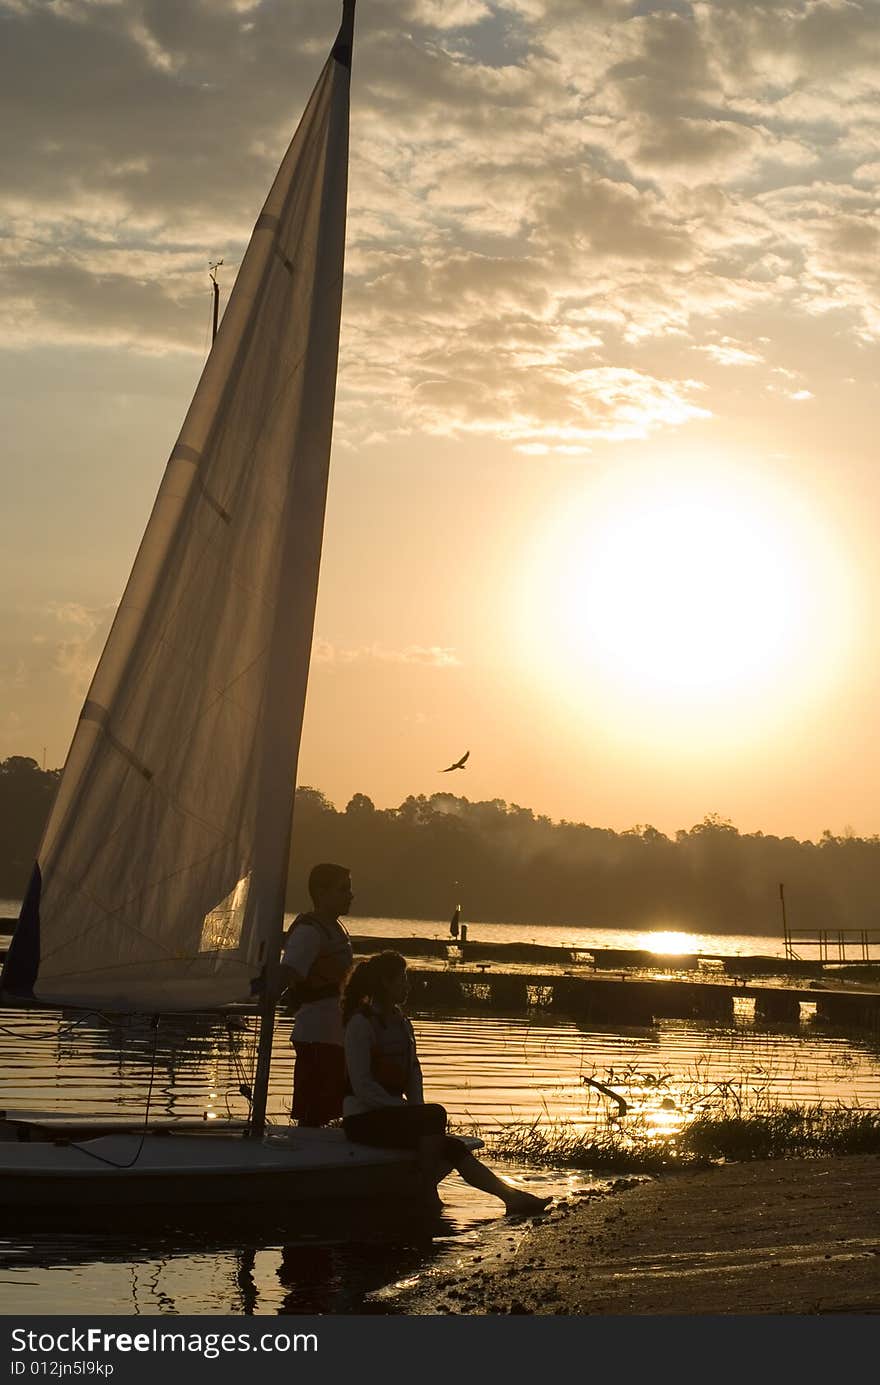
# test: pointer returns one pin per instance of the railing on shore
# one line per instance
(831, 943)
(852, 945)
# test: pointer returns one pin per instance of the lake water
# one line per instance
(488, 1069)
(575, 936)
(670, 940)
(491, 1069)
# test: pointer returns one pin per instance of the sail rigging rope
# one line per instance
(245, 1080)
(58, 1033)
(102, 1159)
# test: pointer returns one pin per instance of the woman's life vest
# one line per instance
(393, 1050)
(330, 967)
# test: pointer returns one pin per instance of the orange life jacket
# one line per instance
(393, 1050)
(330, 967)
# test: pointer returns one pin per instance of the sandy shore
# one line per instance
(794, 1236)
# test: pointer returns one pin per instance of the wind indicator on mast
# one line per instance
(215, 290)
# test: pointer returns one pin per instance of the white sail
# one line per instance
(160, 878)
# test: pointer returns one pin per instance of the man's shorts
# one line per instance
(318, 1083)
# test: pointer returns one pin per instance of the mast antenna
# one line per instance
(215, 290)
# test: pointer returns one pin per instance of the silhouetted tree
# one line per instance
(506, 864)
(26, 795)
(502, 862)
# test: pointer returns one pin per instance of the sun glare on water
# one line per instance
(707, 596)
(667, 944)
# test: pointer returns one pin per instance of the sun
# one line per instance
(687, 594)
(710, 595)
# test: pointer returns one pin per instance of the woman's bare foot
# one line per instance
(432, 1200)
(523, 1204)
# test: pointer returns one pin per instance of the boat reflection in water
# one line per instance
(282, 1261)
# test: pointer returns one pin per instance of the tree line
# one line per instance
(507, 864)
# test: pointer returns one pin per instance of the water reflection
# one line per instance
(574, 936)
(492, 1069)
(487, 1069)
(337, 1276)
(292, 1261)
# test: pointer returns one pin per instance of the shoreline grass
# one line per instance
(775, 1132)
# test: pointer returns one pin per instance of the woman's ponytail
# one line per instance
(367, 979)
(356, 990)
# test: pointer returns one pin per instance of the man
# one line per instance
(316, 959)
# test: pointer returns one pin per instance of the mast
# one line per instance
(342, 53)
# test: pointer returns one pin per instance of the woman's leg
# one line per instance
(423, 1128)
(514, 1199)
(442, 1150)
(394, 1127)
(433, 1159)
(417, 1127)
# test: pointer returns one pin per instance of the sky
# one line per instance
(603, 496)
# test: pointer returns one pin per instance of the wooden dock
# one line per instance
(626, 986)
(619, 986)
(638, 1001)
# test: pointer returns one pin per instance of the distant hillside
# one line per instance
(513, 866)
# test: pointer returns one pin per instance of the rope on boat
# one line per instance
(58, 1033)
(113, 1163)
(245, 1083)
(245, 1080)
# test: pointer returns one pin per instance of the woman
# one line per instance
(385, 1104)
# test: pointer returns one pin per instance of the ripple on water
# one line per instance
(488, 1068)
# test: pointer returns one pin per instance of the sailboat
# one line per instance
(160, 879)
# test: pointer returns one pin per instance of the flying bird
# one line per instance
(459, 764)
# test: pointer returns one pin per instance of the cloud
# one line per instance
(446, 14)
(76, 654)
(431, 656)
(544, 194)
(729, 352)
(551, 409)
(47, 657)
(64, 637)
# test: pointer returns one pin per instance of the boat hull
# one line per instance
(178, 1173)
